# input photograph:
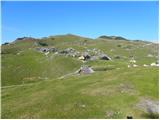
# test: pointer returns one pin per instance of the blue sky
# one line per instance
(133, 20)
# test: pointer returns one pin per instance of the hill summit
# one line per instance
(113, 37)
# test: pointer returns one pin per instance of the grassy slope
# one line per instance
(99, 92)
(31, 66)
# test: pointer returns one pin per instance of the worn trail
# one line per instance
(29, 84)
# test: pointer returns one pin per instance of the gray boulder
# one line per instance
(93, 58)
(42, 49)
(85, 70)
(70, 52)
(67, 50)
(148, 105)
(52, 49)
(104, 57)
(86, 55)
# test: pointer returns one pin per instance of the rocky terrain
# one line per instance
(69, 76)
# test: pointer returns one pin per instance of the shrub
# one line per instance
(43, 44)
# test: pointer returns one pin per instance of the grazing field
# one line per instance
(43, 78)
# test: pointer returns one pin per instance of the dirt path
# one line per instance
(28, 84)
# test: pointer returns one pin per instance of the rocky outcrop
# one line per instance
(43, 49)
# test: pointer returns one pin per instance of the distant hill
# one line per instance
(113, 37)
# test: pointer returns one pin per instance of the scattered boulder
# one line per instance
(70, 52)
(145, 65)
(129, 66)
(104, 57)
(86, 55)
(111, 50)
(42, 49)
(96, 54)
(85, 70)
(93, 58)
(154, 64)
(81, 58)
(132, 61)
(46, 53)
(149, 55)
(148, 106)
(131, 56)
(134, 65)
(35, 44)
(109, 114)
(53, 49)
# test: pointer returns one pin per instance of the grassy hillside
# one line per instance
(40, 85)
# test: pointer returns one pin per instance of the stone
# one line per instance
(46, 53)
(70, 52)
(132, 61)
(148, 105)
(86, 55)
(111, 50)
(53, 49)
(42, 49)
(104, 57)
(145, 65)
(149, 55)
(154, 64)
(85, 70)
(109, 114)
(81, 58)
(93, 58)
(134, 65)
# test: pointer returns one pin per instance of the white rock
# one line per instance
(134, 65)
(81, 58)
(149, 55)
(111, 50)
(46, 53)
(18, 53)
(133, 61)
(56, 53)
(154, 64)
(145, 65)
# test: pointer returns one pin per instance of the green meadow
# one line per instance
(35, 85)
